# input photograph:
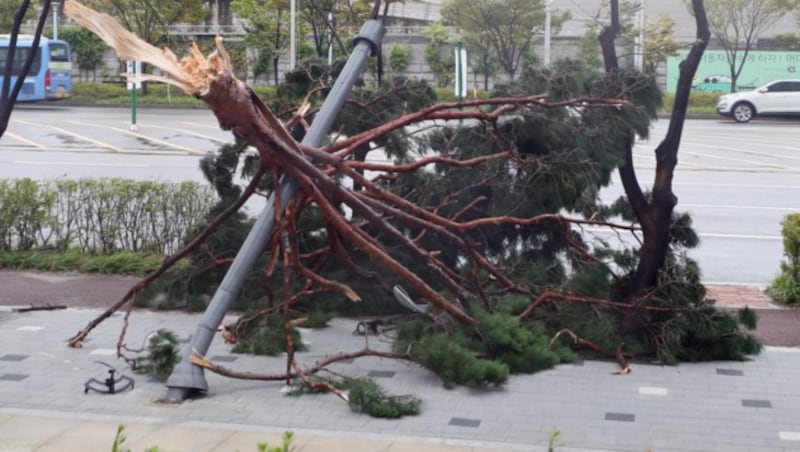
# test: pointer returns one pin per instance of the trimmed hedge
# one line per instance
(99, 215)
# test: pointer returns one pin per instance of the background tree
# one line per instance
(149, 20)
(738, 24)
(507, 28)
(87, 49)
(659, 42)
(8, 9)
(348, 17)
(439, 53)
(266, 25)
(399, 58)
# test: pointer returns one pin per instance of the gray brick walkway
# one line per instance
(722, 406)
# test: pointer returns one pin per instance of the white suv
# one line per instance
(779, 97)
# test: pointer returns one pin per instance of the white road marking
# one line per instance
(144, 137)
(187, 132)
(717, 235)
(23, 139)
(651, 390)
(30, 328)
(789, 436)
(723, 206)
(720, 235)
(108, 165)
(73, 134)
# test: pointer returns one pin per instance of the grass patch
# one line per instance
(699, 103)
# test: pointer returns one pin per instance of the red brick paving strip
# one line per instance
(739, 296)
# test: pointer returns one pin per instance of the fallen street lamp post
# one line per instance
(188, 377)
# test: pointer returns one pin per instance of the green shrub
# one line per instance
(73, 259)
(399, 58)
(786, 286)
(97, 92)
(699, 102)
(99, 215)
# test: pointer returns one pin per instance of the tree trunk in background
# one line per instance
(655, 215)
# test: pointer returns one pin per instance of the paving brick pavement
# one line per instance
(726, 406)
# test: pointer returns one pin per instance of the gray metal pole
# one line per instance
(188, 377)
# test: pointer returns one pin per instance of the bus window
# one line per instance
(59, 52)
(20, 56)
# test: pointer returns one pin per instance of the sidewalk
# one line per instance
(725, 406)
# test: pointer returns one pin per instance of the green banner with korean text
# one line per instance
(713, 74)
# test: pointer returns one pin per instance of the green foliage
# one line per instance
(99, 92)
(87, 48)
(98, 215)
(506, 28)
(116, 93)
(399, 58)
(364, 396)
(499, 344)
(119, 440)
(266, 30)
(555, 434)
(451, 356)
(438, 53)
(73, 259)
(659, 42)
(786, 286)
(149, 20)
(737, 24)
(788, 41)
(590, 49)
(286, 445)
(699, 102)
(9, 8)
(266, 336)
(368, 397)
(162, 355)
(524, 348)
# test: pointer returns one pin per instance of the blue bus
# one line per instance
(50, 76)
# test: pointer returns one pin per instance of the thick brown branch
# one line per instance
(207, 364)
(76, 340)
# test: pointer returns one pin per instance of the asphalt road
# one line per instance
(737, 180)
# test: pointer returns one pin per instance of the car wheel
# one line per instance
(743, 112)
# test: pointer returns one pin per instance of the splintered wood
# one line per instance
(193, 73)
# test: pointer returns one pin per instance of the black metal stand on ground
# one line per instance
(111, 385)
(187, 377)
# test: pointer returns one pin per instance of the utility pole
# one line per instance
(638, 57)
(330, 42)
(548, 13)
(292, 34)
(56, 10)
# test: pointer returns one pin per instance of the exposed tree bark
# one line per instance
(655, 214)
